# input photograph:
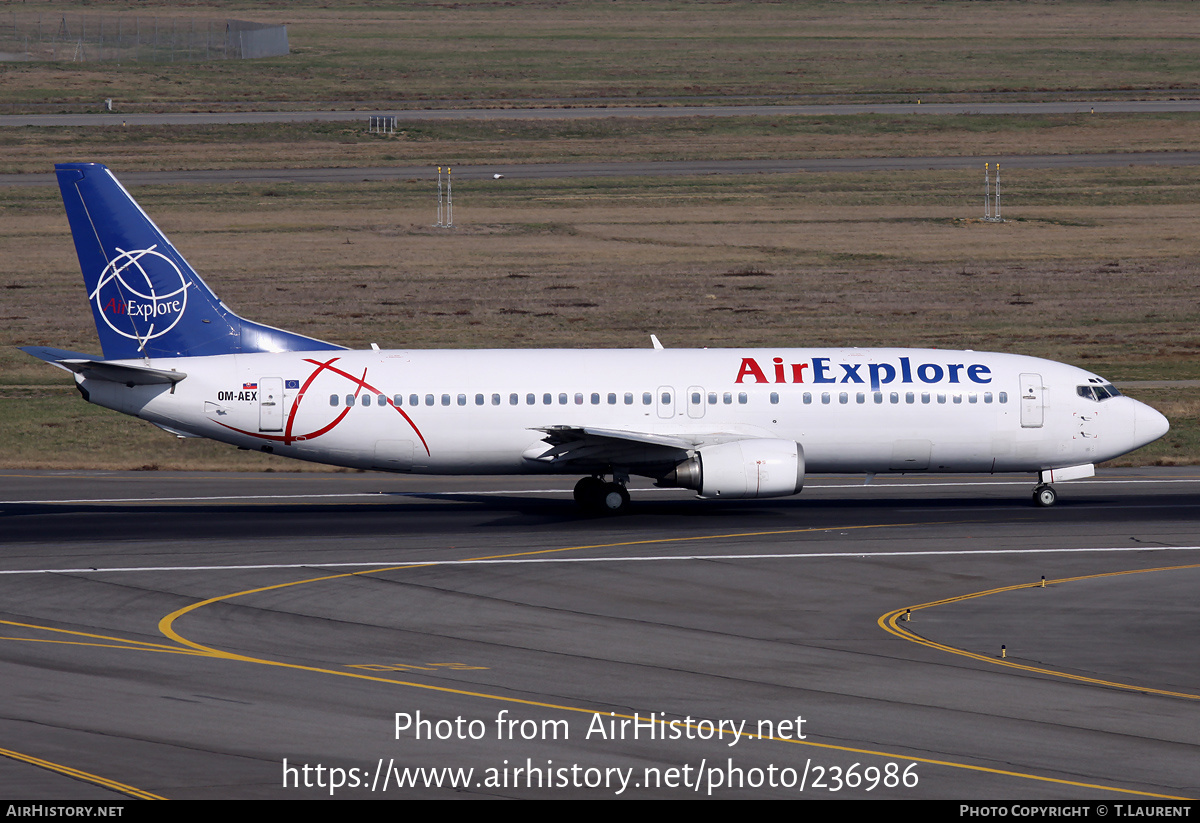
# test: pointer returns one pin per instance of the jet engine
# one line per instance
(742, 469)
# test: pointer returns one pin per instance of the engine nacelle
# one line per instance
(742, 469)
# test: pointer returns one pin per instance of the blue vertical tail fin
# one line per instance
(146, 300)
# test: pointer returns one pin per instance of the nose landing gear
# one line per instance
(1044, 494)
(595, 495)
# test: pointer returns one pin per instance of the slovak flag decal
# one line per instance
(249, 386)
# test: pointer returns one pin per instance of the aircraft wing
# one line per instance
(584, 448)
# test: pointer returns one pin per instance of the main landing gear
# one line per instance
(1044, 496)
(595, 495)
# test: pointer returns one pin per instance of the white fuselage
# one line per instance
(485, 411)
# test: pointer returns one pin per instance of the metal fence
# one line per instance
(135, 38)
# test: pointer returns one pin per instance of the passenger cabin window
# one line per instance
(628, 398)
(775, 397)
(333, 399)
(479, 400)
(366, 400)
(349, 400)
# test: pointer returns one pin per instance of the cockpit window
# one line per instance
(1099, 393)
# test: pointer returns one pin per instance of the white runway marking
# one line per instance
(374, 564)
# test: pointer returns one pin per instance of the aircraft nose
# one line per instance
(1148, 424)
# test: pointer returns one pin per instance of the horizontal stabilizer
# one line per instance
(122, 373)
(178, 432)
(94, 369)
(55, 356)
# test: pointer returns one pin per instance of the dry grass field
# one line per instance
(411, 53)
(462, 143)
(1095, 266)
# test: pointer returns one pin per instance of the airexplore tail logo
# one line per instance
(141, 294)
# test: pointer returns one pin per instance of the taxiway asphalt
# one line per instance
(183, 635)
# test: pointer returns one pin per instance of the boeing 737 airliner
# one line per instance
(728, 423)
